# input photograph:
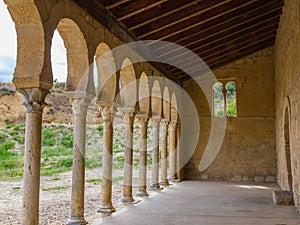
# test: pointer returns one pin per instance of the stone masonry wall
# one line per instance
(248, 150)
(287, 81)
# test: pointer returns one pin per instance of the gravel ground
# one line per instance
(55, 204)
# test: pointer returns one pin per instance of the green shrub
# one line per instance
(67, 141)
(48, 137)
(66, 162)
(56, 151)
(14, 133)
(8, 126)
(93, 163)
(4, 147)
(3, 137)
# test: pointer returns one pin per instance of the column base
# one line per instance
(106, 209)
(155, 187)
(76, 221)
(127, 200)
(142, 193)
(164, 183)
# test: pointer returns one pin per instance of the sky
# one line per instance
(8, 50)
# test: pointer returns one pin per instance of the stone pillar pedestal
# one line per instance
(128, 114)
(106, 185)
(155, 153)
(34, 101)
(164, 153)
(80, 106)
(143, 122)
(173, 158)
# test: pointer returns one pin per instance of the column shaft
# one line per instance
(142, 192)
(127, 185)
(172, 150)
(106, 186)
(155, 154)
(164, 153)
(78, 174)
(34, 100)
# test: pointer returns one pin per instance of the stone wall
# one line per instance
(248, 150)
(287, 80)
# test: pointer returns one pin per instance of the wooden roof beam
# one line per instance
(210, 35)
(136, 7)
(173, 19)
(208, 45)
(109, 4)
(183, 29)
(230, 46)
(234, 54)
(157, 13)
(226, 59)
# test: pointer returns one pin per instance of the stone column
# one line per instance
(106, 185)
(178, 154)
(128, 115)
(80, 106)
(224, 92)
(172, 133)
(155, 153)
(164, 153)
(143, 121)
(34, 101)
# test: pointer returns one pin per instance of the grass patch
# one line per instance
(117, 179)
(97, 181)
(58, 188)
(93, 163)
(49, 137)
(48, 152)
(3, 137)
(49, 171)
(67, 141)
(4, 150)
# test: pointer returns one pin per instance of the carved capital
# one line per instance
(155, 121)
(164, 124)
(173, 125)
(142, 120)
(34, 99)
(80, 105)
(128, 114)
(106, 112)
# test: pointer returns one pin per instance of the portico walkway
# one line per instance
(207, 203)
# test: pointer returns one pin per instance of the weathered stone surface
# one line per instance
(283, 198)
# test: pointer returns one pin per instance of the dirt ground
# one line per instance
(55, 204)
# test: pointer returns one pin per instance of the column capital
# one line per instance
(127, 113)
(106, 110)
(164, 123)
(155, 120)
(142, 118)
(34, 99)
(173, 125)
(80, 105)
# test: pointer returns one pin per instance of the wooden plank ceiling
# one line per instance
(218, 31)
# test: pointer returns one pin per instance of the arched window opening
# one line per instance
(8, 45)
(218, 99)
(231, 110)
(59, 60)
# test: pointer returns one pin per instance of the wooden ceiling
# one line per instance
(218, 31)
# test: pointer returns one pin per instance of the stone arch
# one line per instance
(156, 99)
(166, 104)
(287, 152)
(33, 67)
(77, 55)
(106, 73)
(127, 85)
(174, 114)
(144, 94)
